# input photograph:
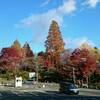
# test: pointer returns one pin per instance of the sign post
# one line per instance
(18, 82)
(32, 75)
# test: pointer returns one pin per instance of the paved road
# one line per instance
(45, 94)
(89, 92)
(42, 96)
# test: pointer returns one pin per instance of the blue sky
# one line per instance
(29, 20)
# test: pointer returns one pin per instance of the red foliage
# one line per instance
(81, 59)
(47, 63)
(10, 53)
(11, 56)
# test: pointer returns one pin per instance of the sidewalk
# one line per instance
(33, 87)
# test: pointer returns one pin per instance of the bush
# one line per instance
(94, 86)
(7, 76)
(97, 85)
(10, 75)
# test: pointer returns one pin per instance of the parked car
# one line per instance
(85, 85)
(30, 81)
(68, 88)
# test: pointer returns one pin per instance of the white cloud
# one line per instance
(78, 42)
(91, 3)
(39, 23)
(67, 7)
(41, 20)
(44, 19)
(45, 3)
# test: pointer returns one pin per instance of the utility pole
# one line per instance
(73, 74)
(36, 72)
(36, 67)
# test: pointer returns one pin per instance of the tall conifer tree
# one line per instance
(54, 43)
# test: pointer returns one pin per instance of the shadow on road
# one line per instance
(38, 95)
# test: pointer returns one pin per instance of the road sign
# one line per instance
(18, 82)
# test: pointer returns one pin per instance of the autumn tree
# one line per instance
(65, 70)
(10, 58)
(28, 58)
(65, 56)
(41, 59)
(54, 44)
(94, 51)
(14, 53)
(16, 44)
(83, 62)
(85, 46)
(27, 52)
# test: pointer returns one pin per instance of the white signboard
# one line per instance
(18, 82)
(31, 75)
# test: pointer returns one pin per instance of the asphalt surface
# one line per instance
(45, 93)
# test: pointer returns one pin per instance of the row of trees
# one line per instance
(15, 58)
(56, 63)
(82, 60)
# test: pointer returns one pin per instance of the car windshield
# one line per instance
(72, 86)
